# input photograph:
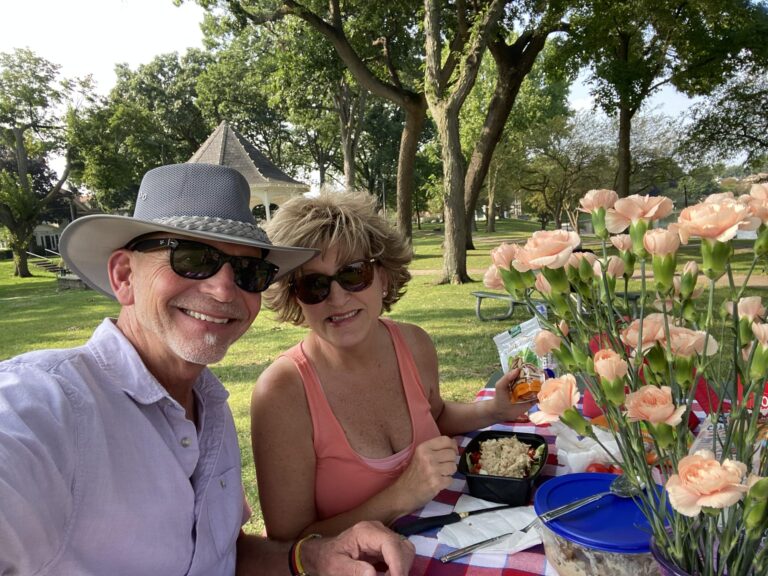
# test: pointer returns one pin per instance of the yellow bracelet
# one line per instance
(297, 569)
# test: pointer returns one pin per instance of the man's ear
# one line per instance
(121, 275)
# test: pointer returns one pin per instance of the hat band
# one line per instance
(216, 225)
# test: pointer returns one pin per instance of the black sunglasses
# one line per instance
(199, 261)
(354, 277)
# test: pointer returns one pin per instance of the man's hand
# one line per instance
(356, 550)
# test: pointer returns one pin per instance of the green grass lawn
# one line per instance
(34, 315)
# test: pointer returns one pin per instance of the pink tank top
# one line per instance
(343, 478)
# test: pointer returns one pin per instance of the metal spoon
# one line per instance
(621, 486)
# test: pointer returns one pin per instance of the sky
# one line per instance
(91, 36)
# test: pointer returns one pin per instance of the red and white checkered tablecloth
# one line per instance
(526, 563)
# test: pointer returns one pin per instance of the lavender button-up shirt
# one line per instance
(102, 474)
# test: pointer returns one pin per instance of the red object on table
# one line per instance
(751, 399)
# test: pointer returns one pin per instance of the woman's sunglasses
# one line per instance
(199, 261)
(354, 277)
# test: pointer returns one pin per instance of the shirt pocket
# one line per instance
(225, 510)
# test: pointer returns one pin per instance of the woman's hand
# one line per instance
(431, 468)
(504, 410)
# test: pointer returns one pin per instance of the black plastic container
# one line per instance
(502, 489)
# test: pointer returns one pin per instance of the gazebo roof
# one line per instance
(269, 184)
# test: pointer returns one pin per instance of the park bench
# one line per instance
(633, 299)
(507, 298)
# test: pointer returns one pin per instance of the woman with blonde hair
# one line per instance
(349, 424)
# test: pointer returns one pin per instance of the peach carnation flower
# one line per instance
(758, 201)
(614, 269)
(653, 331)
(653, 404)
(547, 249)
(610, 365)
(595, 199)
(634, 208)
(542, 285)
(751, 308)
(555, 397)
(503, 255)
(761, 333)
(701, 481)
(686, 342)
(715, 220)
(574, 260)
(622, 242)
(545, 341)
(661, 242)
(492, 278)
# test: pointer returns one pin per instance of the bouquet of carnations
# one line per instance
(644, 340)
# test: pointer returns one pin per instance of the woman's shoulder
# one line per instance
(415, 336)
(280, 379)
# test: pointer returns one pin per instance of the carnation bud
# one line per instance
(614, 391)
(761, 243)
(689, 311)
(759, 367)
(637, 232)
(714, 257)
(598, 223)
(557, 279)
(759, 490)
(629, 263)
(571, 418)
(755, 518)
(664, 271)
(688, 279)
(657, 359)
(745, 329)
(684, 370)
(664, 434)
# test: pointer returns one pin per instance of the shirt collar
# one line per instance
(124, 367)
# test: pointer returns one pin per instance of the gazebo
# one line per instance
(269, 184)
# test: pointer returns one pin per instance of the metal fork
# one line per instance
(546, 517)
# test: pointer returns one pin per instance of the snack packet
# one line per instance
(517, 342)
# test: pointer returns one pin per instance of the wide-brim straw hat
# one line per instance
(205, 201)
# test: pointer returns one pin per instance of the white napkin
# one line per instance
(483, 526)
(575, 453)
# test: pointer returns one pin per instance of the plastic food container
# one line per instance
(502, 489)
(610, 536)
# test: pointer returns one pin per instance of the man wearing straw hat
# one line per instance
(121, 456)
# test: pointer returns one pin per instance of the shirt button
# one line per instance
(223, 483)
(186, 442)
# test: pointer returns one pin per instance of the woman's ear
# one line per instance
(121, 275)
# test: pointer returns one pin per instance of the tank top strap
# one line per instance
(326, 428)
(409, 372)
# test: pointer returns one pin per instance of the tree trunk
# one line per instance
(415, 116)
(455, 250)
(490, 213)
(513, 64)
(20, 260)
(624, 154)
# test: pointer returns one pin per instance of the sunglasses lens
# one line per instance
(253, 274)
(313, 288)
(354, 277)
(196, 261)
(200, 261)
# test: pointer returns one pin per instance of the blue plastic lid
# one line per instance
(611, 524)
